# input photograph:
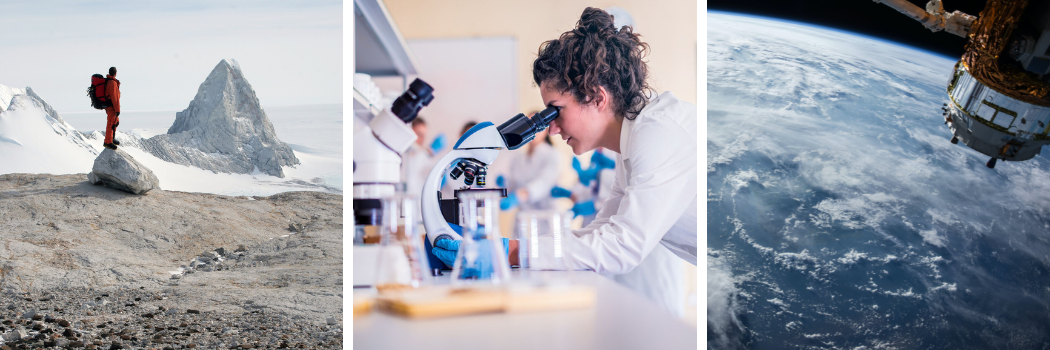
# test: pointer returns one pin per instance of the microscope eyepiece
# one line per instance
(521, 129)
(418, 95)
(546, 116)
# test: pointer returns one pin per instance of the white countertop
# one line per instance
(620, 319)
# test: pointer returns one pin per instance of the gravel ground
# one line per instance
(84, 266)
(138, 319)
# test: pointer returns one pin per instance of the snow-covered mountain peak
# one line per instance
(6, 93)
(34, 138)
(225, 120)
(22, 99)
(232, 63)
(224, 89)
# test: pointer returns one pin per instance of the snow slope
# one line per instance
(6, 93)
(35, 139)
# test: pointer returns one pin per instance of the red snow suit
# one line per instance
(113, 94)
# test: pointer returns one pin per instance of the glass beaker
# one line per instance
(481, 257)
(402, 260)
(543, 239)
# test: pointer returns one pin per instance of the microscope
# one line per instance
(379, 142)
(470, 158)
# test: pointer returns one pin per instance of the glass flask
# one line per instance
(543, 239)
(481, 258)
(402, 261)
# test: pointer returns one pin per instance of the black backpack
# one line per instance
(97, 92)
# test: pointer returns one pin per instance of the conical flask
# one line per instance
(481, 258)
(531, 227)
(401, 259)
(543, 244)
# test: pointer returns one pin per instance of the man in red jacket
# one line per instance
(113, 111)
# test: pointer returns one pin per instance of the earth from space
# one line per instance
(839, 214)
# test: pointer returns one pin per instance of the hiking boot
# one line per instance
(110, 146)
(115, 142)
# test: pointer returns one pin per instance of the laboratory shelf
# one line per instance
(364, 108)
(379, 48)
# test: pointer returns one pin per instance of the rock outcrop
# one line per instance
(224, 129)
(116, 169)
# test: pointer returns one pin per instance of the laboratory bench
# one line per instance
(619, 319)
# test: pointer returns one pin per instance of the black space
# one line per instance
(860, 16)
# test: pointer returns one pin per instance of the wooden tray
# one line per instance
(432, 302)
(362, 305)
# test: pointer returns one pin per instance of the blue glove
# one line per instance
(438, 144)
(509, 202)
(447, 257)
(558, 192)
(500, 181)
(447, 249)
(601, 161)
(584, 208)
(585, 175)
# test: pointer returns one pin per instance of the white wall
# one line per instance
(668, 26)
(474, 79)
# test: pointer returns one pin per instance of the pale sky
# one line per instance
(290, 51)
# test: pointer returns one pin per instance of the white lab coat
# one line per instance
(415, 165)
(536, 173)
(653, 200)
(659, 276)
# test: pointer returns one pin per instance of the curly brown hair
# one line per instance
(596, 54)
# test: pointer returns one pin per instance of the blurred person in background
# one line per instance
(419, 158)
(531, 175)
(594, 185)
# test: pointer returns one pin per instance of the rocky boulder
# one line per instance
(116, 169)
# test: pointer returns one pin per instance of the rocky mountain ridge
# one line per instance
(224, 129)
